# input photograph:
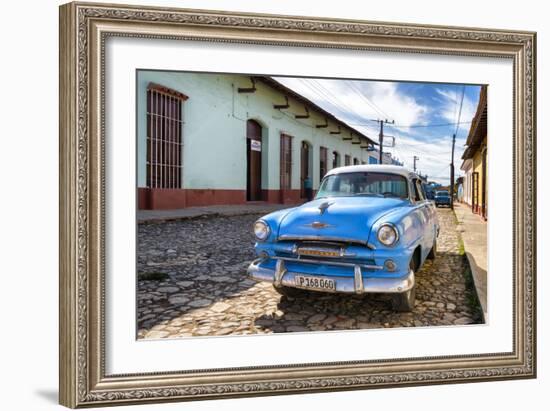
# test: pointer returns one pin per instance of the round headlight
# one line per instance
(387, 235)
(261, 230)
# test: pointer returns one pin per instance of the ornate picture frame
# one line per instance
(84, 28)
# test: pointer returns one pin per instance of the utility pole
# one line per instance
(381, 137)
(415, 158)
(453, 173)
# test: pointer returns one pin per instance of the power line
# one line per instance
(453, 149)
(415, 125)
(441, 170)
(460, 109)
(399, 153)
(381, 122)
(334, 98)
(456, 104)
(325, 94)
(358, 91)
(319, 93)
(344, 109)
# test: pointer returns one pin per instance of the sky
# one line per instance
(425, 115)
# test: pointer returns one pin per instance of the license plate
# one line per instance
(314, 283)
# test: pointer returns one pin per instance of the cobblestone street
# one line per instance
(192, 282)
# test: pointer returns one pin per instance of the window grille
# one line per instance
(164, 137)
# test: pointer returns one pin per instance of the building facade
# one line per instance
(475, 160)
(205, 139)
(467, 181)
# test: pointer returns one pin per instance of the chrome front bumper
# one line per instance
(357, 284)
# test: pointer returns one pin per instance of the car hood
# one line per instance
(346, 218)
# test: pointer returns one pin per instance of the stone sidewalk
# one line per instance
(158, 216)
(474, 236)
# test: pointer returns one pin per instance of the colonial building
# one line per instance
(475, 160)
(205, 139)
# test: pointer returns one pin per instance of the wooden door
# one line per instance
(484, 185)
(254, 161)
(304, 168)
(323, 158)
(475, 192)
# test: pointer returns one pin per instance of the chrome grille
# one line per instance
(320, 250)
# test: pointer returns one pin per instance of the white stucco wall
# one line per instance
(467, 190)
(214, 130)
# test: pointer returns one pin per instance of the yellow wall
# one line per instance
(478, 168)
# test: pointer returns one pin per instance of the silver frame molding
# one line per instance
(84, 27)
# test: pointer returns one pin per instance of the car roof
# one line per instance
(375, 168)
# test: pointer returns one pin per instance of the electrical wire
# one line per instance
(460, 110)
(325, 95)
(344, 109)
(354, 87)
(333, 98)
(413, 125)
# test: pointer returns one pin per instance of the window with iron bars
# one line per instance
(164, 137)
(347, 160)
(286, 161)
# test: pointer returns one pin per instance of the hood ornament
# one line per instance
(323, 207)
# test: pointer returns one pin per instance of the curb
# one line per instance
(205, 214)
(473, 272)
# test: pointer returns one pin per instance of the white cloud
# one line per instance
(434, 157)
(360, 102)
(450, 108)
(404, 109)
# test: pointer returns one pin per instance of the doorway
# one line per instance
(253, 161)
(484, 185)
(475, 192)
(305, 152)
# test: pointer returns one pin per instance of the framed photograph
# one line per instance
(262, 205)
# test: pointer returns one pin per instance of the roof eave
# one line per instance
(281, 87)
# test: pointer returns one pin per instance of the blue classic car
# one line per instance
(369, 228)
(442, 198)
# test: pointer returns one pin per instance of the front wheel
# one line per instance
(433, 251)
(404, 302)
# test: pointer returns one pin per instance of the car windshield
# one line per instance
(363, 184)
(442, 194)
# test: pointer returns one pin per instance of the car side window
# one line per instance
(417, 191)
(422, 190)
